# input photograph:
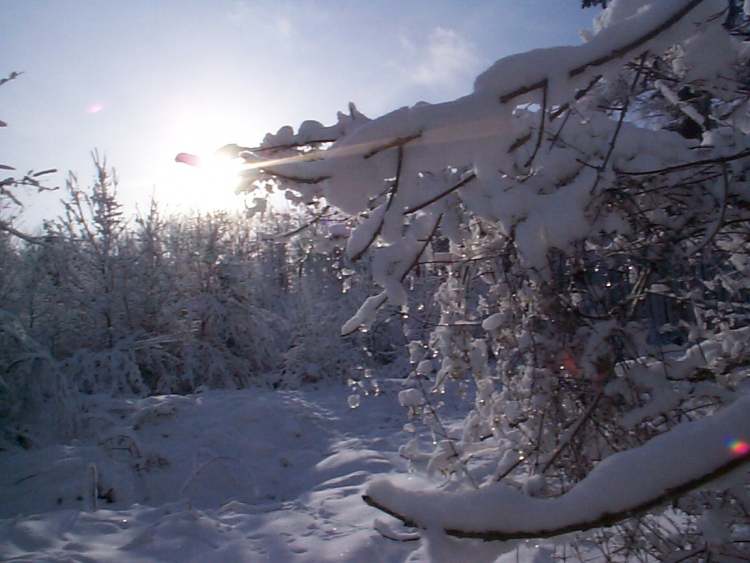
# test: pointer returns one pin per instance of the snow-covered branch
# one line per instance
(690, 456)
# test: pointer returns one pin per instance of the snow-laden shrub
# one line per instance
(32, 386)
(173, 304)
(584, 215)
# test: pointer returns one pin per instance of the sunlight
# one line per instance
(202, 180)
(208, 183)
(216, 172)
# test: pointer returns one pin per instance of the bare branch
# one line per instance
(540, 135)
(19, 234)
(307, 225)
(687, 165)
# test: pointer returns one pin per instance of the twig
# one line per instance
(307, 225)
(414, 262)
(573, 432)
(612, 55)
(279, 147)
(419, 254)
(21, 235)
(620, 121)
(554, 114)
(518, 143)
(441, 195)
(540, 135)
(397, 142)
(685, 166)
(722, 214)
(296, 179)
(625, 49)
(391, 196)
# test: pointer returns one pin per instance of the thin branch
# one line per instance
(722, 214)
(441, 195)
(19, 234)
(12, 76)
(273, 148)
(518, 143)
(618, 128)
(580, 93)
(391, 196)
(556, 136)
(573, 432)
(424, 247)
(625, 49)
(540, 135)
(505, 98)
(612, 55)
(307, 225)
(296, 179)
(414, 262)
(397, 142)
(687, 165)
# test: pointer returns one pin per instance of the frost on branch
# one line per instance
(479, 134)
(572, 236)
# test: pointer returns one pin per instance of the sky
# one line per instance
(145, 79)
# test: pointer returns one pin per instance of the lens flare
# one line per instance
(738, 447)
(94, 108)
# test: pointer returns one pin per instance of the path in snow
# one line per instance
(223, 476)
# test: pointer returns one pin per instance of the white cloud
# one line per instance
(446, 58)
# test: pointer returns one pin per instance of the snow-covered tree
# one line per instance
(174, 304)
(10, 202)
(583, 213)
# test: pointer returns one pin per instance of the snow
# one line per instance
(233, 476)
(612, 487)
(387, 168)
(251, 475)
(277, 476)
(663, 396)
(493, 322)
(365, 315)
(365, 233)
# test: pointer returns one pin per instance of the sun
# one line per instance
(206, 181)
(191, 175)
(200, 179)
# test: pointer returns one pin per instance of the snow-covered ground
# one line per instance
(222, 476)
(249, 475)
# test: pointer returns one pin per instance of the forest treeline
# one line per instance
(102, 303)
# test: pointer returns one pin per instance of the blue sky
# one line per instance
(144, 79)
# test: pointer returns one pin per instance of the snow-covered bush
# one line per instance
(321, 294)
(32, 386)
(584, 216)
(175, 304)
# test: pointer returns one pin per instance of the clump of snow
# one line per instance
(493, 321)
(410, 398)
